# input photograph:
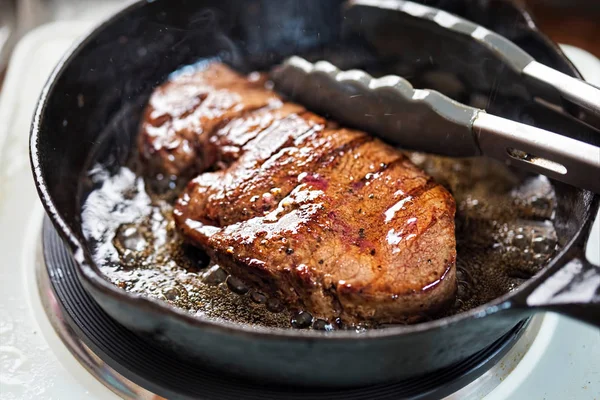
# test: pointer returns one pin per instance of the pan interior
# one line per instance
(92, 116)
(504, 227)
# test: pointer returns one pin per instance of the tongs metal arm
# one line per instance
(558, 157)
(580, 95)
(574, 90)
(428, 121)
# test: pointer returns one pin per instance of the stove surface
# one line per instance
(561, 362)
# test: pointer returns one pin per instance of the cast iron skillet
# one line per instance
(113, 70)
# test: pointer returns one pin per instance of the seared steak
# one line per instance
(330, 220)
(190, 106)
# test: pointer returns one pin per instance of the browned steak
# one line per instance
(331, 220)
(183, 110)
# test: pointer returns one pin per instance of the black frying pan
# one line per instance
(112, 72)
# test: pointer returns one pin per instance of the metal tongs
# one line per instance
(426, 120)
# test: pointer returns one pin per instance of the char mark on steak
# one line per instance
(328, 219)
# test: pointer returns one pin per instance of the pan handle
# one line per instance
(571, 286)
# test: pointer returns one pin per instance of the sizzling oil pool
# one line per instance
(504, 235)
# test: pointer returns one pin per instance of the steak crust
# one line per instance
(191, 106)
(329, 220)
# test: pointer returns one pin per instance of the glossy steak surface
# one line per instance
(331, 220)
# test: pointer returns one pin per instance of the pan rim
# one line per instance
(93, 279)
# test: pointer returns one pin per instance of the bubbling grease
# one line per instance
(504, 234)
(504, 227)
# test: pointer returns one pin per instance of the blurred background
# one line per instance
(574, 22)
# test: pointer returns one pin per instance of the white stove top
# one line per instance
(563, 360)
